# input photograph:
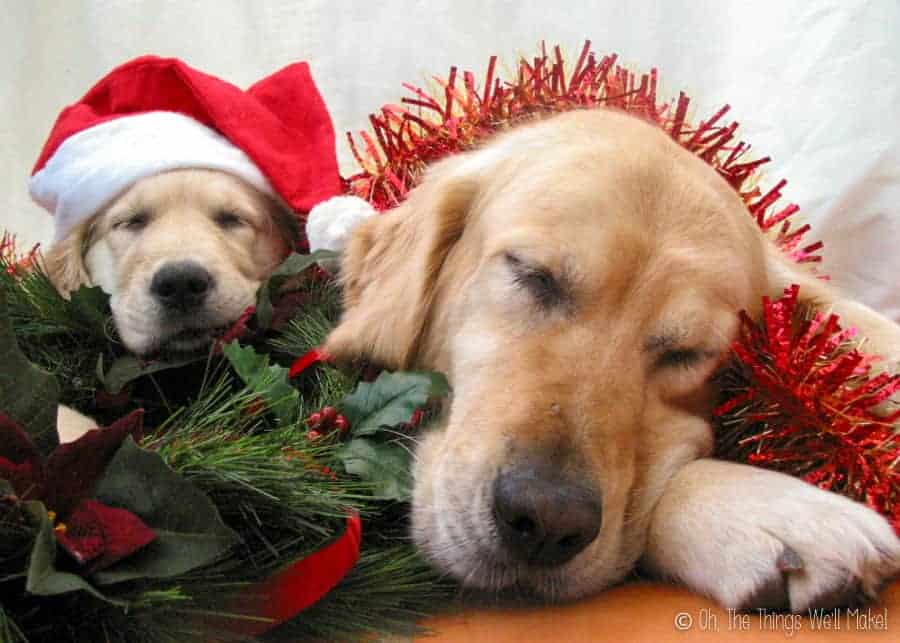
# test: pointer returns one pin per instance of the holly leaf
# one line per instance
(390, 400)
(189, 531)
(28, 395)
(128, 368)
(43, 578)
(269, 381)
(386, 466)
(91, 305)
(290, 267)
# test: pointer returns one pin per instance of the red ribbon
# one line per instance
(302, 584)
(311, 357)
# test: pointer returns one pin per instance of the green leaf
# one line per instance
(28, 395)
(290, 267)
(128, 368)
(189, 531)
(269, 381)
(43, 577)
(91, 305)
(390, 400)
(386, 466)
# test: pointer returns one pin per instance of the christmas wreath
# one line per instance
(225, 499)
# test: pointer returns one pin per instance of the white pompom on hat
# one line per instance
(330, 224)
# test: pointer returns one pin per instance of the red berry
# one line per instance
(313, 435)
(341, 424)
(329, 413)
(416, 418)
(314, 420)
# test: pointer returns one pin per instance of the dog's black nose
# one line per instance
(543, 517)
(181, 285)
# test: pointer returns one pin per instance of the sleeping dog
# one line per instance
(181, 253)
(579, 280)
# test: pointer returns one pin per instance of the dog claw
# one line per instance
(789, 560)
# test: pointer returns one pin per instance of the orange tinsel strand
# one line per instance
(11, 261)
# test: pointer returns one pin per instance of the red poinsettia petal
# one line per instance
(102, 535)
(15, 444)
(21, 463)
(73, 468)
(24, 479)
(81, 535)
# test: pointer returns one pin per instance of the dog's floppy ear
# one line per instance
(882, 335)
(285, 220)
(64, 261)
(390, 267)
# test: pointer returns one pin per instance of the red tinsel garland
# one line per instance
(405, 140)
(802, 401)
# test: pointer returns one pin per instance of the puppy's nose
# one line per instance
(543, 517)
(181, 285)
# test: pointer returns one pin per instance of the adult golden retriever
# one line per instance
(181, 253)
(579, 280)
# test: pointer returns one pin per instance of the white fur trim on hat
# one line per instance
(330, 223)
(95, 165)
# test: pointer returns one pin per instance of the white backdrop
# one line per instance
(815, 84)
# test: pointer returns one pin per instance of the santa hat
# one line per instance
(155, 114)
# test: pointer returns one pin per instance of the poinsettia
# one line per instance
(94, 534)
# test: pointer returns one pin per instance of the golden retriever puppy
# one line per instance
(579, 280)
(181, 254)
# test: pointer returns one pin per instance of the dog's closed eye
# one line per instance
(683, 357)
(668, 352)
(541, 284)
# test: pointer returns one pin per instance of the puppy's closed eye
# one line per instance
(133, 222)
(229, 220)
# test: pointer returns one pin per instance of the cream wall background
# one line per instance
(816, 85)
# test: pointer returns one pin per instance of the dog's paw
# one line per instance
(752, 539)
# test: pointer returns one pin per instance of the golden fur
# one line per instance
(653, 255)
(212, 218)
